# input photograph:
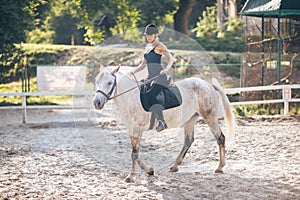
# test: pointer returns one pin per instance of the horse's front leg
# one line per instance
(135, 142)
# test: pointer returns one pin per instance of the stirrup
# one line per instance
(161, 126)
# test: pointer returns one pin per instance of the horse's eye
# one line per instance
(109, 83)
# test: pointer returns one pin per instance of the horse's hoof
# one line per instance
(219, 171)
(151, 172)
(173, 169)
(129, 179)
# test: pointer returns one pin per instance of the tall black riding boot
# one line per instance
(161, 121)
(152, 120)
(157, 113)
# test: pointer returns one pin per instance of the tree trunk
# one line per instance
(226, 9)
(220, 13)
(232, 8)
(182, 15)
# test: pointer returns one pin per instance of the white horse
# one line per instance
(198, 98)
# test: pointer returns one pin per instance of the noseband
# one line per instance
(107, 96)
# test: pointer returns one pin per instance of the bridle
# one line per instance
(107, 96)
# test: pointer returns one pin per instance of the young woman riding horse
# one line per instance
(152, 59)
(198, 99)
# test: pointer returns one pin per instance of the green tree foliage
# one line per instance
(227, 39)
(15, 17)
(98, 20)
(207, 26)
(155, 11)
(234, 27)
(128, 16)
(42, 33)
(61, 24)
(123, 16)
(57, 21)
(97, 17)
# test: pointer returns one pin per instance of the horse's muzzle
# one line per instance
(97, 104)
(97, 107)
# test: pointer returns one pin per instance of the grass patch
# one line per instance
(32, 100)
(264, 109)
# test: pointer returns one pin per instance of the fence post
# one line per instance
(88, 102)
(287, 95)
(24, 111)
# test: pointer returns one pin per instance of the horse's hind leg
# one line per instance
(221, 143)
(215, 129)
(135, 142)
(188, 140)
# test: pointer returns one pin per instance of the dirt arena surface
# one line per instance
(60, 155)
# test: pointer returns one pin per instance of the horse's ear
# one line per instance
(117, 69)
(99, 67)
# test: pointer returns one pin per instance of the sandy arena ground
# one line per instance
(60, 155)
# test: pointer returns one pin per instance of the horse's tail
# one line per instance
(228, 114)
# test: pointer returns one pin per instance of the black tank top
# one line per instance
(154, 66)
(153, 63)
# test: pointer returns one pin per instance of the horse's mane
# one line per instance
(124, 78)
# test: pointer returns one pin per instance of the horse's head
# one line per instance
(105, 85)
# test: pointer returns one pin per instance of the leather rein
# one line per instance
(108, 95)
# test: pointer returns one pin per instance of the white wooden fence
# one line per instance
(286, 98)
(286, 95)
(86, 105)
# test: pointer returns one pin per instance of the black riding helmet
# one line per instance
(151, 29)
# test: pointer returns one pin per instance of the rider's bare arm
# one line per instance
(140, 67)
(162, 49)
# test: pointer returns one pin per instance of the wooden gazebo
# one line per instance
(285, 32)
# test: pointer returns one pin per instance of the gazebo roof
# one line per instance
(271, 8)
